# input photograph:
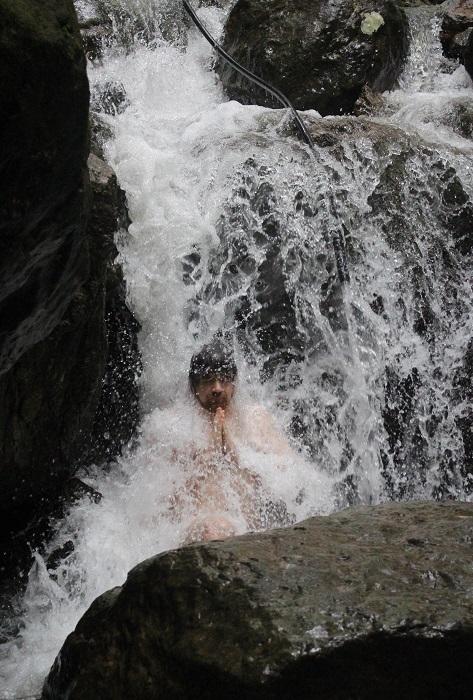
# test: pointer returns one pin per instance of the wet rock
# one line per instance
(418, 3)
(45, 263)
(367, 603)
(222, 4)
(369, 102)
(455, 32)
(468, 54)
(319, 55)
(463, 382)
(43, 172)
(116, 414)
(97, 36)
(100, 134)
(73, 398)
(109, 98)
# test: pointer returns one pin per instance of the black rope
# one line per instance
(338, 238)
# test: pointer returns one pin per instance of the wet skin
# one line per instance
(204, 488)
(215, 395)
(216, 468)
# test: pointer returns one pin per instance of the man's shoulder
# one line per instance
(258, 413)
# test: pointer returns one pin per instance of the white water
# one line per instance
(180, 151)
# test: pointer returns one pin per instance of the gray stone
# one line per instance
(468, 55)
(320, 55)
(455, 33)
(368, 603)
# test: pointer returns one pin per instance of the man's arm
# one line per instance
(271, 438)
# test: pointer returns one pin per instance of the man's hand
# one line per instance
(219, 430)
(221, 438)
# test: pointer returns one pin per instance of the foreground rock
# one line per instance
(319, 54)
(369, 603)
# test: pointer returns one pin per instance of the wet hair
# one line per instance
(213, 360)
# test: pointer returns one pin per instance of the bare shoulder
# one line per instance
(258, 412)
(271, 436)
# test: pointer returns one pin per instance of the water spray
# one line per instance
(338, 237)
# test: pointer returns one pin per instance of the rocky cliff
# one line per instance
(57, 279)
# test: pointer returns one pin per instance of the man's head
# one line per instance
(212, 375)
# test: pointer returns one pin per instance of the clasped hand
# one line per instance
(220, 436)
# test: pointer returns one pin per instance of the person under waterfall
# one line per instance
(220, 485)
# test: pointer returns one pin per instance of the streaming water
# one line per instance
(231, 230)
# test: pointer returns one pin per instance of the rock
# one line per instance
(458, 15)
(369, 102)
(319, 55)
(109, 98)
(455, 32)
(100, 133)
(222, 4)
(73, 398)
(43, 172)
(463, 383)
(96, 38)
(51, 395)
(419, 3)
(44, 264)
(468, 55)
(367, 603)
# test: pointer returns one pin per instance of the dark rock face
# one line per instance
(319, 54)
(43, 172)
(73, 396)
(464, 386)
(418, 3)
(117, 412)
(49, 338)
(57, 280)
(468, 55)
(367, 603)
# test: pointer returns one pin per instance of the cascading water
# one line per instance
(231, 229)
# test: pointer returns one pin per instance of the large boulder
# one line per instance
(43, 173)
(71, 397)
(48, 339)
(319, 54)
(368, 603)
(57, 280)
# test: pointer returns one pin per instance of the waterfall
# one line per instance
(231, 229)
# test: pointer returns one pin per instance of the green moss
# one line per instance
(371, 23)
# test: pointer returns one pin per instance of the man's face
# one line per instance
(214, 392)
